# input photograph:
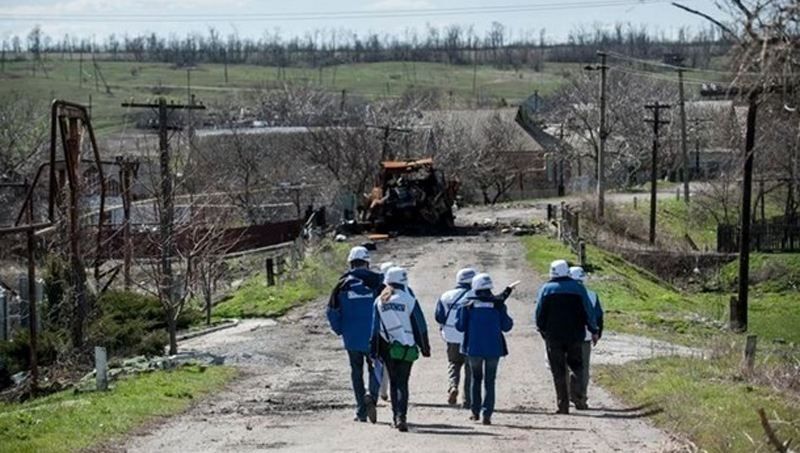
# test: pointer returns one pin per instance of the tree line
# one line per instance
(453, 44)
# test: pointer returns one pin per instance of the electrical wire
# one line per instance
(331, 15)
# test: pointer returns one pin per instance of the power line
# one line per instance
(314, 15)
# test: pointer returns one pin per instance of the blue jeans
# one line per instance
(483, 368)
(357, 360)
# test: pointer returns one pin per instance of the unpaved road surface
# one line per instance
(295, 394)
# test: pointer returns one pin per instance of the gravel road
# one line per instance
(294, 392)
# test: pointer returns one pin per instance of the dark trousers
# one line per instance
(399, 374)
(579, 384)
(456, 360)
(357, 360)
(484, 371)
(564, 357)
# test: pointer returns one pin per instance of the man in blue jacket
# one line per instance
(563, 315)
(483, 319)
(580, 384)
(350, 310)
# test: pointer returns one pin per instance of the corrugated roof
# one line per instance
(477, 120)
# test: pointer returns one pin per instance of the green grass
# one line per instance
(705, 400)
(674, 220)
(67, 421)
(636, 300)
(371, 80)
(317, 276)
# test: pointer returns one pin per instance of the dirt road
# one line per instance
(295, 394)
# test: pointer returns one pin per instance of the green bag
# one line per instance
(399, 351)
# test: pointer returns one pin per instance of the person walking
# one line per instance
(483, 319)
(399, 335)
(446, 310)
(380, 368)
(562, 318)
(350, 314)
(579, 385)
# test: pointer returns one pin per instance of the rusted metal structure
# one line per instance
(412, 194)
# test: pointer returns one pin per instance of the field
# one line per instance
(141, 81)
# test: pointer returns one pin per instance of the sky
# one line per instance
(254, 18)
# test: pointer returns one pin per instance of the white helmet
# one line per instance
(385, 266)
(482, 281)
(358, 253)
(577, 273)
(559, 268)
(397, 275)
(465, 276)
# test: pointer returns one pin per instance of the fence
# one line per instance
(568, 223)
(764, 237)
(15, 308)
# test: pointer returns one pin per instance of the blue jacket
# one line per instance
(598, 310)
(564, 311)
(350, 308)
(483, 319)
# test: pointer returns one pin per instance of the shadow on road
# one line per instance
(515, 410)
(446, 429)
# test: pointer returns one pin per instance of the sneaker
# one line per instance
(474, 417)
(487, 420)
(372, 410)
(452, 397)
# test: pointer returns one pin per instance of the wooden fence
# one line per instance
(764, 237)
(567, 219)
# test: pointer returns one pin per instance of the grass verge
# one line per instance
(710, 401)
(67, 421)
(705, 400)
(315, 278)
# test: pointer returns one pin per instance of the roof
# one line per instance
(476, 120)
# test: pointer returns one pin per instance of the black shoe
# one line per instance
(563, 411)
(581, 406)
(487, 420)
(401, 424)
(466, 405)
(474, 417)
(372, 410)
(359, 419)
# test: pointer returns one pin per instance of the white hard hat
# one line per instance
(385, 266)
(577, 273)
(482, 281)
(559, 268)
(397, 275)
(465, 275)
(358, 253)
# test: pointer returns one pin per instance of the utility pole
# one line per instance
(166, 218)
(657, 122)
(696, 127)
(684, 151)
(601, 170)
(738, 313)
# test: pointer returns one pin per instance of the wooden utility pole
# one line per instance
(657, 122)
(601, 151)
(166, 217)
(696, 127)
(33, 320)
(738, 314)
(684, 151)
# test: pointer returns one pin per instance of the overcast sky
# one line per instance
(252, 18)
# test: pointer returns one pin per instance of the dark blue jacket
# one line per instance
(483, 319)
(598, 310)
(350, 308)
(563, 311)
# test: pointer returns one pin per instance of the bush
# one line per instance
(16, 353)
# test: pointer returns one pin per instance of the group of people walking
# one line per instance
(384, 330)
